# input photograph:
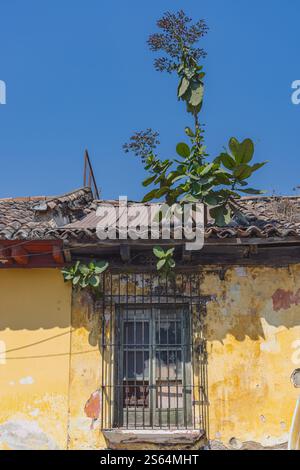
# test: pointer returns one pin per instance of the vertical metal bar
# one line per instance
(102, 354)
(127, 390)
(168, 362)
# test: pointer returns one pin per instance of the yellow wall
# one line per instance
(252, 350)
(35, 318)
(252, 329)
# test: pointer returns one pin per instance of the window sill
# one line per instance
(182, 439)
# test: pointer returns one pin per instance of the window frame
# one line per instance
(154, 417)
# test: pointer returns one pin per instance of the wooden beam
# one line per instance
(186, 254)
(125, 252)
(5, 254)
(20, 255)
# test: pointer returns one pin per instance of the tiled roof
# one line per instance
(33, 217)
(73, 217)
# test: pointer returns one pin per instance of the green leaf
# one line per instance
(148, 181)
(246, 151)
(207, 168)
(170, 252)
(257, 166)
(94, 281)
(183, 150)
(227, 161)
(234, 146)
(67, 276)
(251, 191)
(161, 263)
(195, 94)
(149, 196)
(221, 215)
(183, 86)
(211, 200)
(242, 172)
(162, 191)
(76, 279)
(101, 266)
(171, 263)
(158, 252)
(189, 132)
(84, 269)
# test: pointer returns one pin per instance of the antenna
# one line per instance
(88, 176)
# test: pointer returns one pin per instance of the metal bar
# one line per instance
(87, 162)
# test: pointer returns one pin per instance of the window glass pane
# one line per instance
(136, 365)
(169, 395)
(168, 364)
(136, 395)
(168, 332)
(128, 333)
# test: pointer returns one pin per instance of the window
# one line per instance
(153, 369)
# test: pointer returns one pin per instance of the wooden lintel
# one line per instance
(20, 255)
(5, 256)
(125, 252)
(57, 254)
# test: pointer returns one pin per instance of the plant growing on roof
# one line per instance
(190, 177)
(85, 276)
(165, 261)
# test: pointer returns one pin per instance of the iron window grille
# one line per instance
(153, 353)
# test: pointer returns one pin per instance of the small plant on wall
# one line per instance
(86, 276)
(165, 261)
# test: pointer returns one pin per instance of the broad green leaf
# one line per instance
(171, 263)
(183, 150)
(67, 276)
(234, 146)
(76, 279)
(257, 166)
(162, 191)
(101, 266)
(251, 191)
(158, 252)
(242, 172)
(221, 215)
(161, 263)
(84, 269)
(211, 200)
(94, 281)
(170, 252)
(149, 196)
(189, 198)
(207, 169)
(183, 86)
(148, 181)
(195, 92)
(246, 151)
(227, 161)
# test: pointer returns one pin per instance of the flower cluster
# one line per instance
(142, 143)
(178, 35)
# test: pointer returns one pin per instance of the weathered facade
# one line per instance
(60, 384)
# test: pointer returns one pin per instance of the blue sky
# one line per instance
(78, 74)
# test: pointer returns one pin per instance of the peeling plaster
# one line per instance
(25, 435)
(26, 380)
